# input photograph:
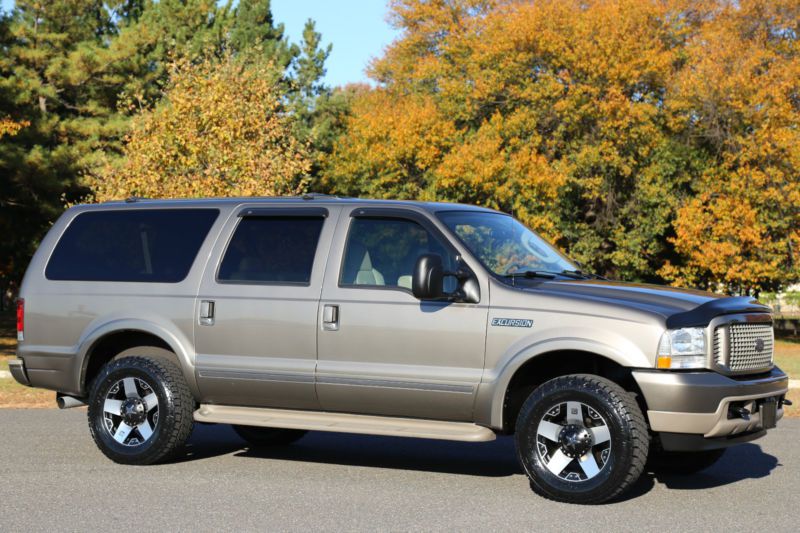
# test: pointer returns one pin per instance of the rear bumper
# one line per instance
(699, 403)
(17, 369)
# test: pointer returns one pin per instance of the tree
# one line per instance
(650, 140)
(253, 31)
(74, 72)
(205, 139)
(739, 104)
(44, 90)
(538, 109)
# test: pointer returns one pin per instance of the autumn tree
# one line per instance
(204, 138)
(739, 105)
(549, 110)
(623, 130)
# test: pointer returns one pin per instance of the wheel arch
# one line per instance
(129, 337)
(529, 370)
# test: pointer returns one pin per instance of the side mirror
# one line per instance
(427, 283)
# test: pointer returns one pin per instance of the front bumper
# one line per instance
(700, 403)
(18, 372)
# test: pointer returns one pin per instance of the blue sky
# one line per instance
(356, 28)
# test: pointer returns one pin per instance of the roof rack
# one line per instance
(134, 199)
(312, 195)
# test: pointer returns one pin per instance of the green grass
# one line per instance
(787, 356)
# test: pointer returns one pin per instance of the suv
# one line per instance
(412, 319)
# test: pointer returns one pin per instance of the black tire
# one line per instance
(622, 420)
(260, 437)
(171, 423)
(683, 463)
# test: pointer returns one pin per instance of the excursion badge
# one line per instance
(512, 322)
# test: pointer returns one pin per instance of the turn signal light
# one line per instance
(664, 361)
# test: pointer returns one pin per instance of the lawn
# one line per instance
(12, 394)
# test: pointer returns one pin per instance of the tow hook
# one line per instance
(741, 412)
(786, 402)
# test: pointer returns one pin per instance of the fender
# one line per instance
(490, 399)
(178, 342)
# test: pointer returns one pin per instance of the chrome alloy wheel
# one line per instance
(573, 441)
(130, 411)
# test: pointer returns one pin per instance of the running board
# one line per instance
(343, 422)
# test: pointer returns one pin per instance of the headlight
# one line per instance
(682, 348)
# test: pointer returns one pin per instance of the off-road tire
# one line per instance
(261, 437)
(627, 430)
(682, 463)
(175, 404)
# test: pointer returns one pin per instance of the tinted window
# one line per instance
(152, 245)
(272, 250)
(383, 252)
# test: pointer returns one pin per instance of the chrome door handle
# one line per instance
(206, 312)
(330, 317)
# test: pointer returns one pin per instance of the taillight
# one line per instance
(20, 319)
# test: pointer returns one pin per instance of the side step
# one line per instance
(343, 422)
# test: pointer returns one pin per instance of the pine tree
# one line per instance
(43, 89)
(253, 31)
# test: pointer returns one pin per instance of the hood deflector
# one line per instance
(701, 315)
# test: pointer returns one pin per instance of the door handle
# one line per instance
(330, 317)
(206, 312)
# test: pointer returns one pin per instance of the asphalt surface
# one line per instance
(53, 478)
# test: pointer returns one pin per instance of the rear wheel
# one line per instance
(263, 437)
(140, 410)
(581, 439)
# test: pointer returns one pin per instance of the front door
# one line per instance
(256, 313)
(382, 351)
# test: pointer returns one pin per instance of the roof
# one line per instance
(307, 200)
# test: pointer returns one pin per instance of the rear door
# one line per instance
(256, 312)
(382, 351)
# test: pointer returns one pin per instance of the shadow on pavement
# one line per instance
(745, 461)
(491, 459)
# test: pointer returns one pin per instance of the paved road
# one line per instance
(53, 478)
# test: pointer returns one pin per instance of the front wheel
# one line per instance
(581, 439)
(140, 410)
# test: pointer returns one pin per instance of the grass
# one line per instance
(12, 394)
(787, 356)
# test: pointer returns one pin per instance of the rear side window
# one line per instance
(272, 249)
(144, 245)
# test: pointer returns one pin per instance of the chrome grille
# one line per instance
(749, 346)
(719, 357)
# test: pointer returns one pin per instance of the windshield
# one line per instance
(503, 244)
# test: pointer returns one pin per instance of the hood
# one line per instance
(681, 307)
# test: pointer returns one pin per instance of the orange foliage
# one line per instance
(220, 130)
(641, 135)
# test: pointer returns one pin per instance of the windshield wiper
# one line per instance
(546, 274)
(580, 274)
(529, 274)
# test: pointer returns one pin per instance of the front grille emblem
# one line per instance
(759, 345)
